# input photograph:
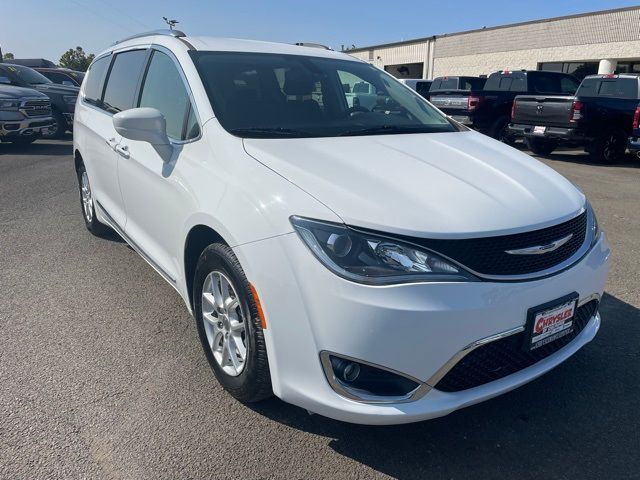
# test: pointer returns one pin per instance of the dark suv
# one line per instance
(63, 98)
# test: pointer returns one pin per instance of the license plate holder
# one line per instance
(548, 322)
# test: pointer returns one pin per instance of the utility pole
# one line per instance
(171, 23)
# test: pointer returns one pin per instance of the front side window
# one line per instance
(274, 95)
(164, 89)
(123, 80)
(93, 87)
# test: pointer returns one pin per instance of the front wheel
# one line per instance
(229, 326)
(540, 146)
(58, 128)
(86, 203)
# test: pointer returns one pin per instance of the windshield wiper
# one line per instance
(385, 129)
(269, 132)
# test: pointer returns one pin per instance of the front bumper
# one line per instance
(551, 133)
(415, 329)
(26, 127)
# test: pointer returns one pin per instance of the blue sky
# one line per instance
(46, 28)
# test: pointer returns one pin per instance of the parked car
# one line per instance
(489, 109)
(382, 265)
(63, 98)
(24, 113)
(419, 85)
(599, 117)
(62, 76)
(453, 83)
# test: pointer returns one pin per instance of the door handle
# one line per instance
(111, 142)
(123, 150)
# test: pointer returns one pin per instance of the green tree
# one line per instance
(8, 56)
(76, 59)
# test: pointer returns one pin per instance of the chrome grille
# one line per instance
(36, 108)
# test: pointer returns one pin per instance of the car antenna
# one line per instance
(171, 23)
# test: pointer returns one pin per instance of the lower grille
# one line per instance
(503, 357)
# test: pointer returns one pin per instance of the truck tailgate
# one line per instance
(551, 111)
(450, 101)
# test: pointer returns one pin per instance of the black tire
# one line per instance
(91, 221)
(254, 381)
(609, 147)
(540, 146)
(500, 131)
(59, 127)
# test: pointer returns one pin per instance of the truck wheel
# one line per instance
(540, 146)
(229, 326)
(58, 128)
(500, 131)
(609, 147)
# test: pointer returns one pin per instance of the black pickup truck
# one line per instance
(63, 98)
(598, 118)
(488, 109)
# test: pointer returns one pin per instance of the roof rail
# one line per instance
(164, 31)
(313, 45)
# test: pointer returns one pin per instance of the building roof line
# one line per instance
(485, 29)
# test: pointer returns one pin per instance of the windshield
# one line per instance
(271, 95)
(26, 74)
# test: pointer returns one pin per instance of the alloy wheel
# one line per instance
(224, 323)
(87, 198)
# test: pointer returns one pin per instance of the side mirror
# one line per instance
(5, 80)
(143, 124)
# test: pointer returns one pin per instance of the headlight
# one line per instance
(70, 98)
(12, 105)
(374, 259)
(592, 224)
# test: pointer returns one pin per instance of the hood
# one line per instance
(438, 185)
(55, 88)
(8, 91)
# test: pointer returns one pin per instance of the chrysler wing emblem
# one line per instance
(540, 249)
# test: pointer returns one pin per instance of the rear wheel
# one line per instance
(229, 326)
(609, 147)
(500, 131)
(540, 146)
(86, 203)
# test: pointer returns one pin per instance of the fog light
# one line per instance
(365, 382)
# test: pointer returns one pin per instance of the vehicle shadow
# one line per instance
(61, 147)
(578, 421)
(571, 156)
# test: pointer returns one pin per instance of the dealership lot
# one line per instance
(102, 375)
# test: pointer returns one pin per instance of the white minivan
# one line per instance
(375, 264)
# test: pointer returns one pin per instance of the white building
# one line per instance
(606, 41)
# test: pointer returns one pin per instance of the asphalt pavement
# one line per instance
(102, 374)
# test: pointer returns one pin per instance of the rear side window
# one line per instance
(93, 86)
(423, 87)
(164, 89)
(619, 88)
(123, 80)
(506, 83)
(553, 84)
(605, 87)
